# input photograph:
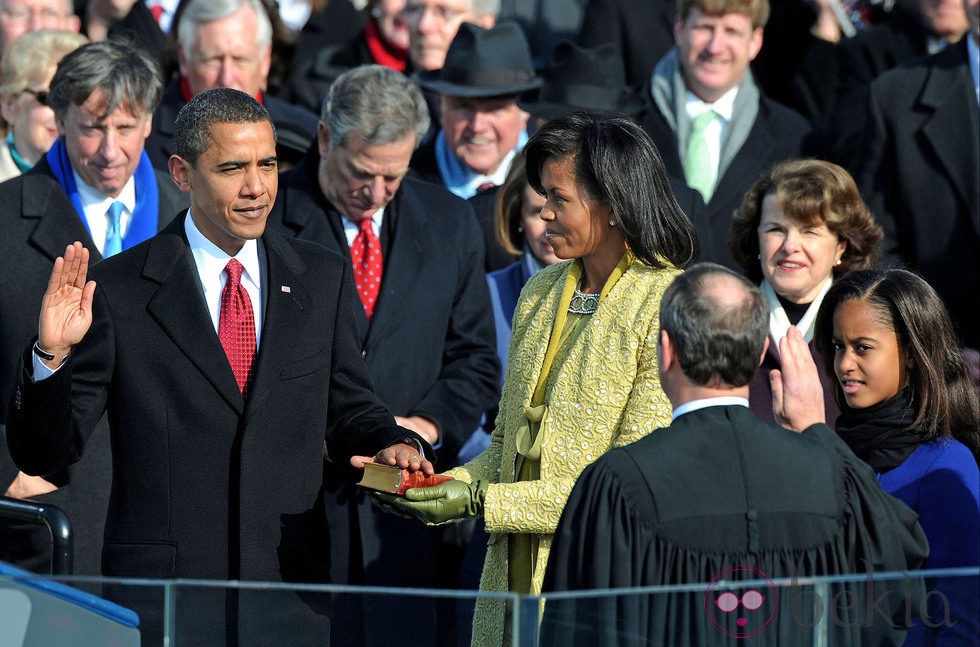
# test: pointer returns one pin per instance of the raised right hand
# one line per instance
(797, 394)
(66, 309)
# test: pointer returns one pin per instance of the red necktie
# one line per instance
(236, 326)
(365, 252)
(156, 11)
(486, 186)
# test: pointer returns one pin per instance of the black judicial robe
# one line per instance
(723, 493)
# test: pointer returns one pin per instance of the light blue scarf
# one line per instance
(458, 178)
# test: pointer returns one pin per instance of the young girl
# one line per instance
(909, 409)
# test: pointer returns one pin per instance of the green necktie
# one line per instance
(697, 162)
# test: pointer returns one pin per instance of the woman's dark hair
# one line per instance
(816, 193)
(617, 163)
(943, 392)
(507, 208)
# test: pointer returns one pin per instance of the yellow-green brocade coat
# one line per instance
(606, 393)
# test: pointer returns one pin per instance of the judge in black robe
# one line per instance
(724, 495)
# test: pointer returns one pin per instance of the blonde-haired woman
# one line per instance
(26, 70)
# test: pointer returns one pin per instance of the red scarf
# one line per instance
(382, 52)
(185, 91)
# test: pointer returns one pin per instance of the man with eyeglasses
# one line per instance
(432, 25)
(21, 16)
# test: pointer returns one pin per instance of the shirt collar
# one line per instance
(723, 107)
(721, 401)
(211, 260)
(376, 219)
(91, 196)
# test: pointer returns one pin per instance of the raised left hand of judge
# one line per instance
(449, 501)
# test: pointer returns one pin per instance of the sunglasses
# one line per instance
(41, 96)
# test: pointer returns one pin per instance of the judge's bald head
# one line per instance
(717, 321)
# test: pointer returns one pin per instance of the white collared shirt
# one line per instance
(714, 134)
(167, 17)
(211, 261)
(95, 204)
(721, 401)
(497, 178)
(351, 230)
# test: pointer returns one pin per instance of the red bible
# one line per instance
(393, 479)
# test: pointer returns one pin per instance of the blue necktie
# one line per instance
(113, 234)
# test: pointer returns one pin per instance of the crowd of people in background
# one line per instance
(508, 240)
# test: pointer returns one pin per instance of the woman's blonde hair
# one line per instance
(31, 56)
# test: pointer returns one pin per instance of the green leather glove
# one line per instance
(449, 501)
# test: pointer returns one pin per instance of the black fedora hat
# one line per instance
(579, 78)
(484, 63)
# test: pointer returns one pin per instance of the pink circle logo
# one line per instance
(739, 612)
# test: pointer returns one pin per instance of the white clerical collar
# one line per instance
(721, 401)
(211, 260)
(723, 107)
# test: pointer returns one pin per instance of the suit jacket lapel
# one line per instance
(178, 307)
(948, 94)
(57, 222)
(285, 312)
(745, 166)
(305, 204)
(402, 264)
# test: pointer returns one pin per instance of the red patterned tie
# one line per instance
(365, 252)
(236, 326)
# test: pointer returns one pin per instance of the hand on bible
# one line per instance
(449, 501)
(401, 454)
(66, 308)
(797, 395)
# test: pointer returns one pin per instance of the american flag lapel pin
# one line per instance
(285, 289)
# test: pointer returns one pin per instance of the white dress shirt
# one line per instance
(720, 401)
(95, 204)
(351, 230)
(210, 262)
(715, 132)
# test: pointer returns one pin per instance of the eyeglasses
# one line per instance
(41, 96)
(414, 11)
(24, 14)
